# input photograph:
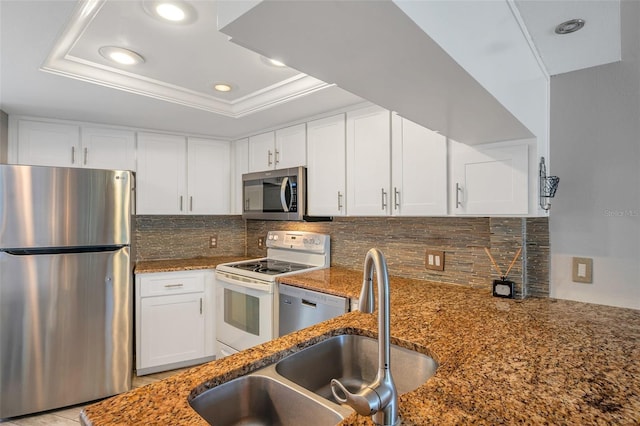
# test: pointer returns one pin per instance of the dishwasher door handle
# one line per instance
(309, 304)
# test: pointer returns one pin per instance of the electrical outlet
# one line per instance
(434, 260)
(260, 242)
(582, 270)
(213, 241)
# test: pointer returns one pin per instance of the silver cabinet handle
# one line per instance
(384, 199)
(277, 157)
(73, 155)
(339, 201)
(458, 191)
(86, 154)
(269, 156)
(181, 203)
(191, 203)
(174, 285)
(201, 306)
(396, 198)
(246, 205)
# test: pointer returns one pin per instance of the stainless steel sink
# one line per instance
(296, 391)
(353, 360)
(260, 400)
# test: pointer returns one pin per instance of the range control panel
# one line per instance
(298, 240)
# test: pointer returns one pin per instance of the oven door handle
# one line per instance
(225, 280)
(283, 194)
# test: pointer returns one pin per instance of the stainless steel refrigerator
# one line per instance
(66, 295)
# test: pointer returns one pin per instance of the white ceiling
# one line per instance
(181, 64)
(183, 61)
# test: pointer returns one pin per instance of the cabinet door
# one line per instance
(368, 162)
(172, 329)
(108, 149)
(209, 176)
(419, 170)
(326, 167)
(161, 177)
(490, 180)
(262, 152)
(240, 166)
(48, 144)
(291, 147)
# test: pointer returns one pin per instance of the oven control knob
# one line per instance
(317, 241)
(275, 237)
(305, 240)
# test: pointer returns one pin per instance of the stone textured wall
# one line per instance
(173, 237)
(402, 240)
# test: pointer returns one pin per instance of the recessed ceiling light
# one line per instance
(174, 11)
(120, 55)
(272, 62)
(223, 87)
(170, 12)
(570, 26)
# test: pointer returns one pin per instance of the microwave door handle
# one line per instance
(283, 194)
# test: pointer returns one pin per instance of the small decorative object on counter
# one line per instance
(503, 287)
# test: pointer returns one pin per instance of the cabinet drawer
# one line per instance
(171, 283)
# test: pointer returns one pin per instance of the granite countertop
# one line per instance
(536, 361)
(171, 265)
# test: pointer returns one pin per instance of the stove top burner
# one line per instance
(270, 267)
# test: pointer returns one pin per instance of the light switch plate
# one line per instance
(582, 270)
(434, 260)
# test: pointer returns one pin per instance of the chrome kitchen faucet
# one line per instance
(380, 398)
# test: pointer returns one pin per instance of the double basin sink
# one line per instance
(297, 391)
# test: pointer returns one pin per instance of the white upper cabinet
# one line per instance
(161, 177)
(291, 147)
(419, 170)
(48, 144)
(176, 176)
(491, 179)
(209, 176)
(262, 152)
(326, 169)
(240, 166)
(368, 162)
(278, 150)
(108, 149)
(45, 143)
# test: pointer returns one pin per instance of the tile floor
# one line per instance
(69, 416)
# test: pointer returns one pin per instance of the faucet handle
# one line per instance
(366, 402)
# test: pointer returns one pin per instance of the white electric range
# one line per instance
(247, 292)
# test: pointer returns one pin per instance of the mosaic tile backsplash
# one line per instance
(402, 240)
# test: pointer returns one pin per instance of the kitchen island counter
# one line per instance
(501, 361)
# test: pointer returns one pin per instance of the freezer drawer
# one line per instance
(300, 308)
(61, 207)
(65, 329)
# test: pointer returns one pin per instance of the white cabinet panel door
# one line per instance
(291, 147)
(108, 149)
(326, 171)
(490, 180)
(161, 177)
(240, 166)
(262, 152)
(419, 170)
(172, 329)
(368, 162)
(209, 180)
(48, 144)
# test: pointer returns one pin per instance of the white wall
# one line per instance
(595, 150)
(4, 136)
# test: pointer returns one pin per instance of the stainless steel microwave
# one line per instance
(275, 194)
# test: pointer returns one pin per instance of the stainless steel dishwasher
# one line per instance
(300, 308)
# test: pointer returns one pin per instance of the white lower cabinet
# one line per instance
(490, 179)
(175, 320)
